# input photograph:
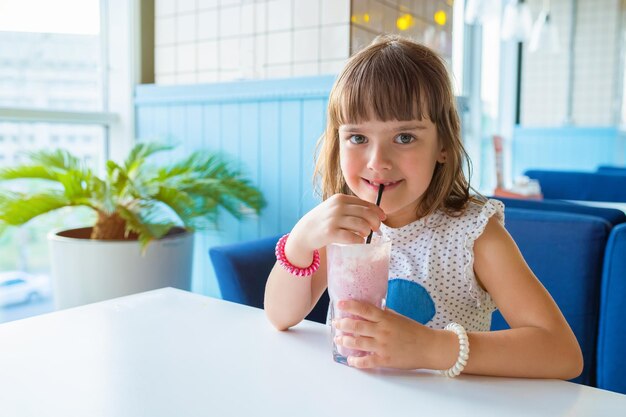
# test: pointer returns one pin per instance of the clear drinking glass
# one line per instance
(356, 272)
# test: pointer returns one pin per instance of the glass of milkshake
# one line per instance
(356, 272)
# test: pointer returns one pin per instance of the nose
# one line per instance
(379, 159)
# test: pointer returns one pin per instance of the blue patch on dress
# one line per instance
(410, 299)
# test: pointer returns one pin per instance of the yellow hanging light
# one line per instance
(404, 22)
(440, 17)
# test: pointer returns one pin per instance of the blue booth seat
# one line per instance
(611, 367)
(565, 252)
(242, 270)
(611, 169)
(574, 185)
(613, 216)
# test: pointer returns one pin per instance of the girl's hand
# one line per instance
(393, 340)
(340, 219)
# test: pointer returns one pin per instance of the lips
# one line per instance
(377, 182)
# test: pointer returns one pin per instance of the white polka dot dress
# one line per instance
(431, 273)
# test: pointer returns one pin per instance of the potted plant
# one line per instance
(145, 217)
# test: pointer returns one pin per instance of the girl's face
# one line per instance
(400, 154)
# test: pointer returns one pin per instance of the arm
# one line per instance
(540, 343)
(288, 299)
(341, 218)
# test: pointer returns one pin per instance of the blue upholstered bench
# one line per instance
(242, 270)
(611, 366)
(613, 216)
(565, 252)
(574, 185)
(611, 169)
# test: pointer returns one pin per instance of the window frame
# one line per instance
(119, 30)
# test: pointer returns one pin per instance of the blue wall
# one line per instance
(269, 127)
(557, 148)
(566, 148)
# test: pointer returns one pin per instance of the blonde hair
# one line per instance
(395, 78)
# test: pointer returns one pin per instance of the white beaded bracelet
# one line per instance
(461, 360)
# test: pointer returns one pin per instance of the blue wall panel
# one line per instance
(230, 123)
(268, 129)
(249, 157)
(290, 187)
(212, 127)
(269, 159)
(160, 124)
(567, 148)
(177, 132)
(193, 133)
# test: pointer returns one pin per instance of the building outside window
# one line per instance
(51, 83)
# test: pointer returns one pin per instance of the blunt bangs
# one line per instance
(388, 83)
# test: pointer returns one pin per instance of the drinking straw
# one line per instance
(381, 187)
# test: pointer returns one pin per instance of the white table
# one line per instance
(173, 353)
(605, 204)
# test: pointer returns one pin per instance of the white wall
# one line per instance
(547, 95)
(199, 41)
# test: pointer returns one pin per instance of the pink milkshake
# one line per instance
(356, 272)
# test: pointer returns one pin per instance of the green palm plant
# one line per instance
(135, 199)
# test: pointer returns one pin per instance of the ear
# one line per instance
(443, 155)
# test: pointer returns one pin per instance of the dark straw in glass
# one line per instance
(379, 197)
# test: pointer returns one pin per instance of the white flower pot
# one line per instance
(85, 271)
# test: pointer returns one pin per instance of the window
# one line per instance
(54, 93)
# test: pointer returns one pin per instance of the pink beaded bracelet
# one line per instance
(292, 269)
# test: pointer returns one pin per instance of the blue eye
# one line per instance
(357, 139)
(404, 139)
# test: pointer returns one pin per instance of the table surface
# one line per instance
(605, 204)
(172, 353)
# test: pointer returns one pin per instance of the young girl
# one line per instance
(392, 120)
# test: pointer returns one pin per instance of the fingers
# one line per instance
(353, 206)
(356, 225)
(369, 211)
(340, 219)
(356, 327)
(361, 309)
(365, 344)
(364, 362)
(347, 236)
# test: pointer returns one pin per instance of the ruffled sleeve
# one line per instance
(490, 209)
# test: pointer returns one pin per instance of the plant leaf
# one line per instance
(178, 201)
(27, 171)
(58, 159)
(140, 152)
(138, 220)
(190, 192)
(18, 208)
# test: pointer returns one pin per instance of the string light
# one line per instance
(440, 17)
(358, 18)
(405, 21)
